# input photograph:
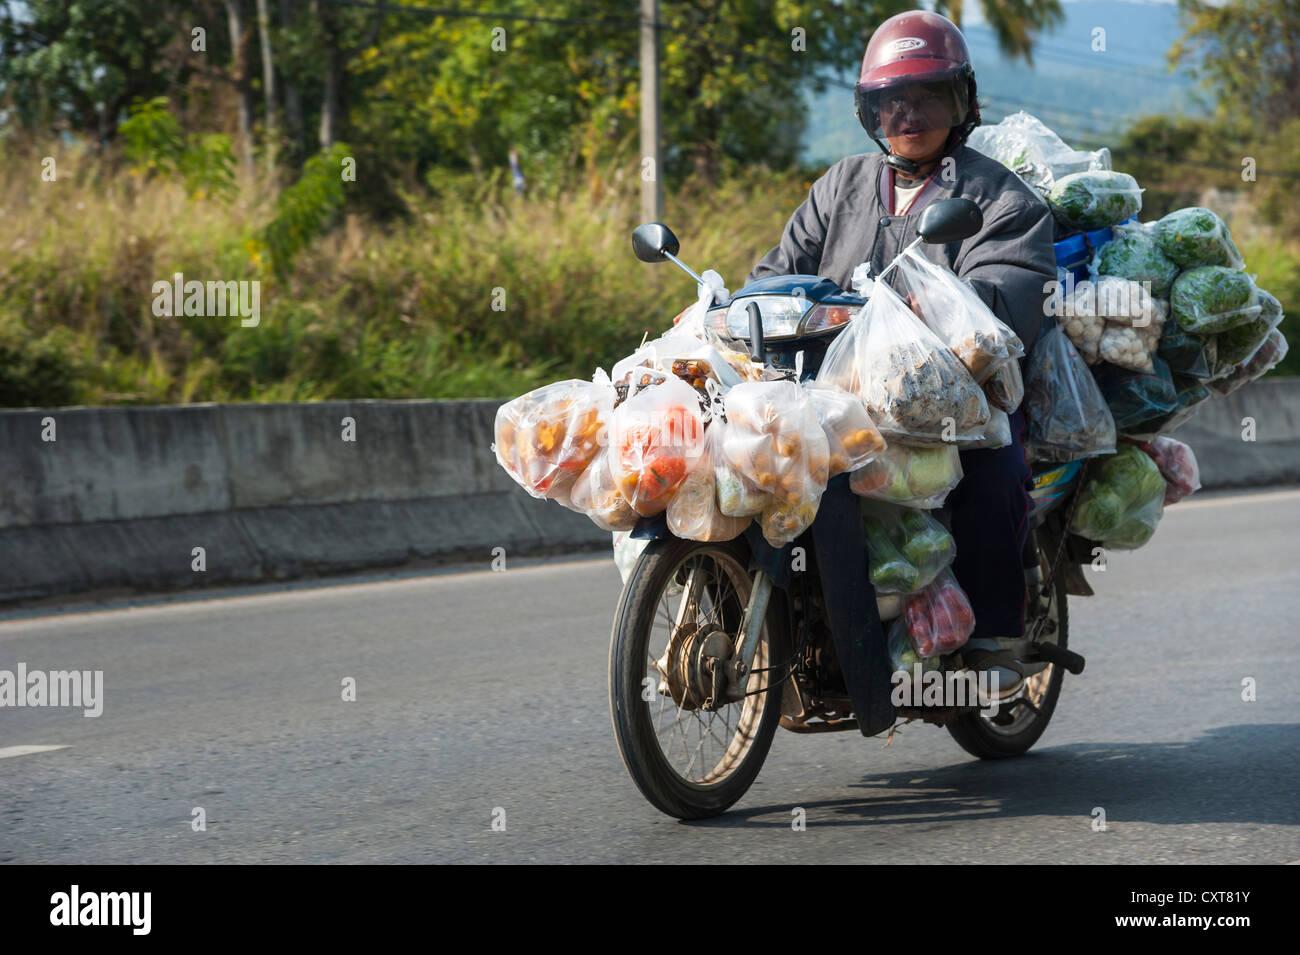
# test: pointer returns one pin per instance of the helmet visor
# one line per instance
(913, 107)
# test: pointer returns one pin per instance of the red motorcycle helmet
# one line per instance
(916, 76)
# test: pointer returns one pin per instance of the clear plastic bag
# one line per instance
(596, 494)
(1026, 146)
(785, 520)
(1081, 323)
(1094, 199)
(907, 548)
(774, 441)
(1236, 345)
(1196, 236)
(1212, 298)
(657, 436)
(693, 513)
(1006, 389)
(1122, 502)
(1177, 465)
(955, 312)
(939, 619)
(852, 438)
(903, 657)
(910, 476)
(1136, 397)
(1266, 357)
(1066, 413)
(1134, 254)
(913, 385)
(1189, 395)
(547, 438)
(997, 433)
(1113, 320)
(1193, 356)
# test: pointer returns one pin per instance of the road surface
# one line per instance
(482, 692)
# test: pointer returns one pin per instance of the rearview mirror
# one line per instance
(652, 240)
(949, 220)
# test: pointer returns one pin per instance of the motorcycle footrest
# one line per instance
(1060, 656)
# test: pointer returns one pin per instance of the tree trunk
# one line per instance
(329, 107)
(292, 99)
(268, 84)
(239, 74)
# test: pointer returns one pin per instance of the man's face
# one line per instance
(918, 146)
(916, 118)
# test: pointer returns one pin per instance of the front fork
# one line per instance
(739, 667)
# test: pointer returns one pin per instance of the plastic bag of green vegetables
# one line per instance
(1189, 395)
(907, 548)
(1066, 412)
(1211, 299)
(1236, 345)
(1261, 363)
(1136, 397)
(910, 476)
(1196, 236)
(1195, 356)
(1094, 200)
(1123, 501)
(1134, 255)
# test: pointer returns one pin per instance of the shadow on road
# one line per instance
(1239, 774)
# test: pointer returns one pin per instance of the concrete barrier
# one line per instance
(120, 497)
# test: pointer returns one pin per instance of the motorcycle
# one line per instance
(716, 645)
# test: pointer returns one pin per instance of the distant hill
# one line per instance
(1085, 96)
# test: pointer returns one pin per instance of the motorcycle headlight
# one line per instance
(784, 316)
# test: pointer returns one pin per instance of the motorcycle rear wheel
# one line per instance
(1021, 726)
(688, 762)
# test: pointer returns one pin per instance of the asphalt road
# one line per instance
(480, 690)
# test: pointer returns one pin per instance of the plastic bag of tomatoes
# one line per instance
(547, 438)
(939, 618)
(657, 436)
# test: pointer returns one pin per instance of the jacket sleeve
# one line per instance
(800, 249)
(1010, 264)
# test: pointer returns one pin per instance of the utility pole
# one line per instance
(652, 194)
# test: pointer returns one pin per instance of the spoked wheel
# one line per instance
(1016, 727)
(682, 607)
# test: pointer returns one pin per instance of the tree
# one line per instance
(1248, 52)
(78, 66)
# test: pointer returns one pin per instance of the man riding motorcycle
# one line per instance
(916, 98)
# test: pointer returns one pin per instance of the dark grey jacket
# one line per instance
(843, 223)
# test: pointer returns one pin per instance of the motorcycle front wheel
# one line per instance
(688, 761)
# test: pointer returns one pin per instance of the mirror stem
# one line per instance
(686, 268)
(915, 242)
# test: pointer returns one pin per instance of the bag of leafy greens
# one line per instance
(1236, 345)
(1123, 501)
(1212, 298)
(1266, 357)
(1196, 236)
(1094, 200)
(1133, 254)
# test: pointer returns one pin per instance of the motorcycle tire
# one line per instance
(639, 705)
(988, 740)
